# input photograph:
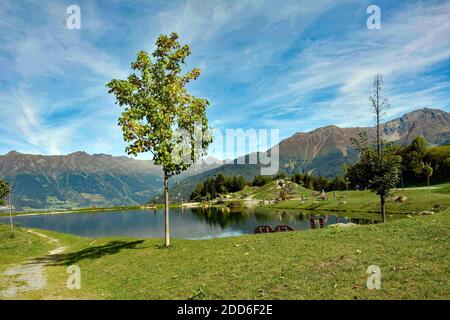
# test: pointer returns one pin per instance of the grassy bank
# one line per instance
(365, 201)
(20, 247)
(418, 199)
(413, 255)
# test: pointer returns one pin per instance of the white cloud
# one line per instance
(232, 41)
(24, 126)
(48, 50)
(410, 43)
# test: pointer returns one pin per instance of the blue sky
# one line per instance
(288, 65)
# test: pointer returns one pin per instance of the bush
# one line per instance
(213, 186)
(259, 181)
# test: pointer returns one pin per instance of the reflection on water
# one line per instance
(363, 221)
(320, 221)
(193, 223)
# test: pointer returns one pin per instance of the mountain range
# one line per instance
(324, 151)
(83, 180)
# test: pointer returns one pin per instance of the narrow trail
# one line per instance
(29, 276)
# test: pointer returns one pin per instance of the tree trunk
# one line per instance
(378, 134)
(10, 213)
(401, 178)
(428, 182)
(378, 115)
(166, 210)
(383, 209)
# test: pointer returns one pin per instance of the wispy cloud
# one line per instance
(410, 44)
(53, 70)
(293, 65)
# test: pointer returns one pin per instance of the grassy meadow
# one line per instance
(418, 199)
(330, 263)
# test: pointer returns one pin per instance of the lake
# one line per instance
(192, 223)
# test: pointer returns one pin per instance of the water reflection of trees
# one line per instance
(225, 217)
(363, 221)
(218, 216)
(252, 217)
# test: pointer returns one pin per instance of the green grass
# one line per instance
(331, 263)
(19, 247)
(366, 201)
(438, 200)
(267, 192)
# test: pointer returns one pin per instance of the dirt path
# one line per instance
(30, 276)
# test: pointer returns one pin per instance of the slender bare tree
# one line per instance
(380, 106)
(379, 165)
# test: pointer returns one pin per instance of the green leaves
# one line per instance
(380, 174)
(158, 107)
(4, 191)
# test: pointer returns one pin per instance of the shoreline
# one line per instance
(72, 211)
(270, 207)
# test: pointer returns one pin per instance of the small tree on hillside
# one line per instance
(197, 193)
(428, 172)
(379, 166)
(4, 191)
(283, 195)
(158, 108)
(413, 157)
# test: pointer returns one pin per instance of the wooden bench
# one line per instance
(317, 222)
(268, 229)
(283, 228)
(263, 229)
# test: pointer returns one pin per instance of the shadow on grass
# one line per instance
(89, 253)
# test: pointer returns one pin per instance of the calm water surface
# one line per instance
(184, 223)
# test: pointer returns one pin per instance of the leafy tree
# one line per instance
(419, 161)
(413, 157)
(236, 183)
(283, 195)
(320, 183)
(208, 189)
(297, 178)
(197, 193)
(379, 174)
(160, 115)
(4, 192)
(259, 181)
(338, 183)
(379, 165)
(308, 181)
(220, 183)
(280, 175)
(427, 172)
(345, 179)
(439, 158)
